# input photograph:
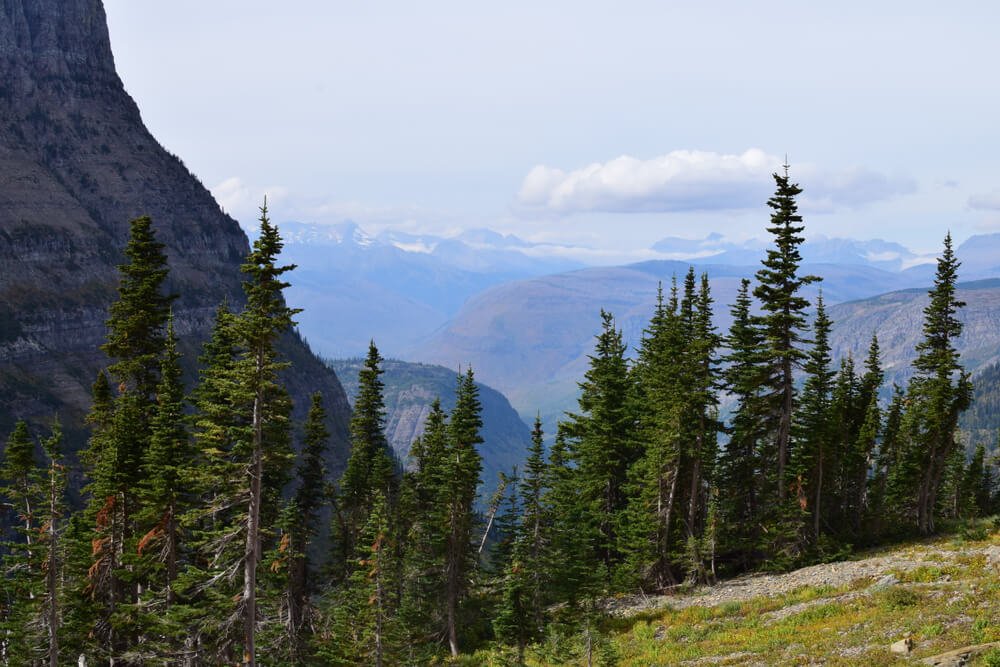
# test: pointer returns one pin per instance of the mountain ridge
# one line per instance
(77, 164)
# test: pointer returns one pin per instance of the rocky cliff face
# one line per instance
(76, 164)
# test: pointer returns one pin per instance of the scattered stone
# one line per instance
(992, 554)
(903, 646)
(960, 656)
(884, 582)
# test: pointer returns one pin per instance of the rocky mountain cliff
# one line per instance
(410, 388)
(76, 164)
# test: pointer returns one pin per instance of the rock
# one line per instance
(884, 582)
(960, 656)
(903, 646)
(992, 554)
(76, 164)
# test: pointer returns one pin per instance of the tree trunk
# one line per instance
(785, 422)
(817, 507)
(52, 578)
(252, 553)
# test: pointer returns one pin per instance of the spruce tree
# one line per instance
(812, 456)
(122, 426)
(268, 449)
(165, 496)
(649, 528)
(21, 583)
(424, 536)
(309, 498)
(602, 439)
(460, 471)
(371, 466)
(783, 323)
(740, 474)
(939, 390)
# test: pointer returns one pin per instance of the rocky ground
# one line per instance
(934, 602)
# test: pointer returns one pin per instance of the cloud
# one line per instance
(986, 201)
(243, 201)
(686, 180)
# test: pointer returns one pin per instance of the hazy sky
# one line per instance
(612, 124)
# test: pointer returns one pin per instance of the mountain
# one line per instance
(897, 319)
(982, 420)
(395, 288)
(531, 339)
(76, 164)
(410, 388)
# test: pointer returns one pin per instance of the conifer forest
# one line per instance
(207, 530)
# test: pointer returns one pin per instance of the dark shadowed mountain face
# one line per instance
(76, 164)
(409, 391)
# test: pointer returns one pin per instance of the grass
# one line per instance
(951, 601)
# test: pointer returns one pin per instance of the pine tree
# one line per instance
(653, 480)
(268, 451)
(22, 555)
(424, 535)
(783, 323)
(219, 423)
(121, 436)
(137, 322)
(362, 626)
(165, 497)
(939, 391)
(371, 466)
(812, 454)
(53, 513)
(33, 563)
(602, 439)
(460, 474)
(311, 474)
(740, 474)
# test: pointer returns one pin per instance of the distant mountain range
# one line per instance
(531, 339)
(396, 288)
(403, 289)
(410, 388)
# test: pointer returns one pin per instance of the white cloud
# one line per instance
(986, 201)
(686, 180)
(243, 201)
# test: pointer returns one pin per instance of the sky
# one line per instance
(604, 124)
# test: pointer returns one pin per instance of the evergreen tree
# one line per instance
(421, 612)
(783, 323)
(121, 437)
(939, 391)
(460, 470)
(311, 474)
(371, 466)
(31, 620)
(602, 439)
(268, 449)
(165, 497)
(740, 474)
(879, 503)
(362, 627)
(811, 458)
(22, 558)
(649, 528)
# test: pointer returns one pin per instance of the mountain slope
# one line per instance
(76, 164)
(531, 339)
(395, 288)
(409, 391)
(897, 319)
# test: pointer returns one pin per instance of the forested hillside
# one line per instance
(410, 391)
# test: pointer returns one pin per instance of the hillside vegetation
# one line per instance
(941, 593)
